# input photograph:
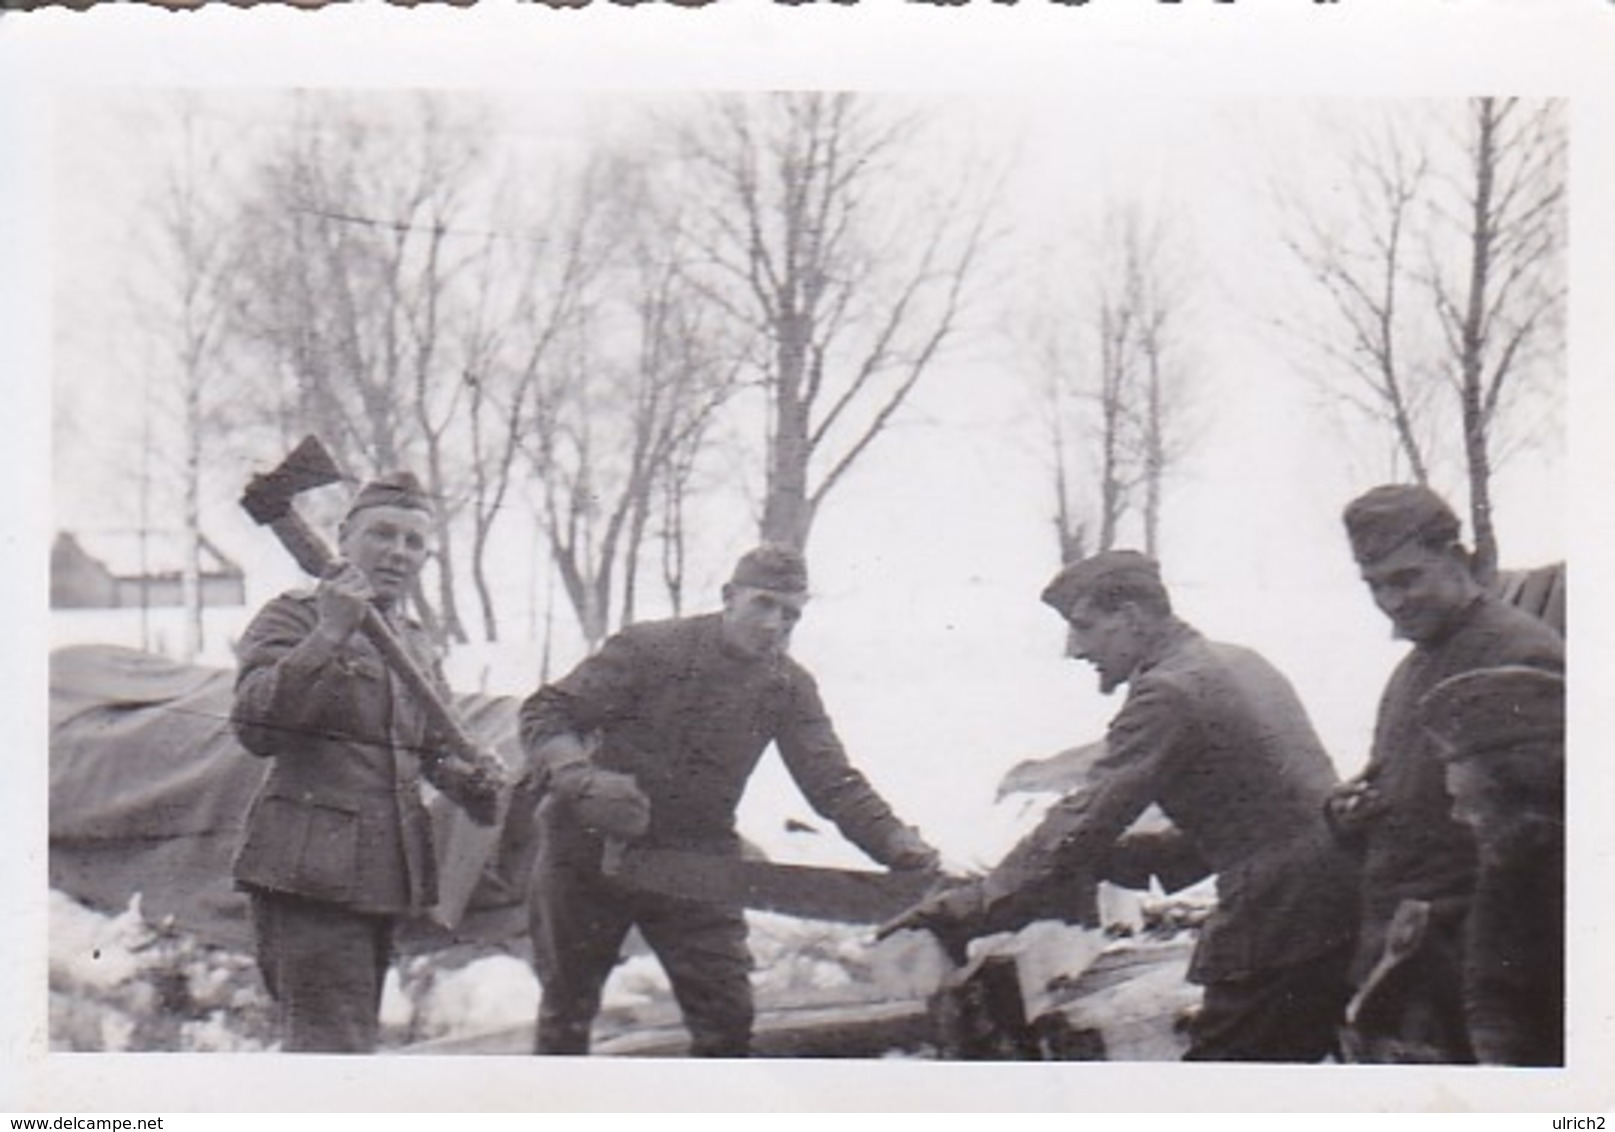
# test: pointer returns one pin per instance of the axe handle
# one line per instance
(426, 693)
(315, 557)
(307, 549)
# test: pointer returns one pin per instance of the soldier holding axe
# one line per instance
(338, 689)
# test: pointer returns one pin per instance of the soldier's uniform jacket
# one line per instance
(672, 704)
(339, 817)
(1514, 978)
(1216, 737)
(1412, 846)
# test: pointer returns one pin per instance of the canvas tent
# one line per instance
(149, 791)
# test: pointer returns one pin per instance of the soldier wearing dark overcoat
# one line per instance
(1216, 737)
(1418, 861)
(338, 845)
(1501, 734)
(652, 740)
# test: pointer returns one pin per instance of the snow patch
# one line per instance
(89, 950)
(492, 993)
(396, 1012)
(638, 981)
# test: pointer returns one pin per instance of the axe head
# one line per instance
(269, 496)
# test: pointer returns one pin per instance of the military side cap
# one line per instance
(1381, 520)
(1490, 710)
(396, 489)
(772, 567)
(1109, 569)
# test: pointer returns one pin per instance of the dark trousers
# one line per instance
(324, 966)
(1289, 1013)
(580, 919)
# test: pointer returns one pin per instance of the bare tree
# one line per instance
(1108, 341)
(366, 230)
(1087, 385)
(425, 296)
(1443, 284)
(1501, 301)
(183, 301)
(851, 277)
(425, 312)
(1159, 289)
(322, 242)
(629, 394)
(1362, 261)
(529, 284)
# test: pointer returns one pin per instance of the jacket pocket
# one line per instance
(307, 847)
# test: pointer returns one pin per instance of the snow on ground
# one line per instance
(121, 984)
(490, 993)
(118, 983)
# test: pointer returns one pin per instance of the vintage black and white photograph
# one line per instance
(653, 570)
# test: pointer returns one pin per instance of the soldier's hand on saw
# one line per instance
(609, 803)
(949, 912)
(341, 599)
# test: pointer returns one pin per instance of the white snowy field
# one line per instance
(121, 983)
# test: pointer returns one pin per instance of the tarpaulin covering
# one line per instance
(149, 791)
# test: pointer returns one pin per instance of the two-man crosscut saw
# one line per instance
(849, 896)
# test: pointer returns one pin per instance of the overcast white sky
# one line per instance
(936, 659)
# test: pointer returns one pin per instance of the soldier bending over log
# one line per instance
(1214, 735)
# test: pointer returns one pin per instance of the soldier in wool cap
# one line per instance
(652, 740)
(338, 847)
(1501, 732)
(1384, 518)
(1397, 814)
(1507, 722)
(396, 489)
(1215, 736)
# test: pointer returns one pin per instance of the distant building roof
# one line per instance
(114, 570)
(153, 554)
